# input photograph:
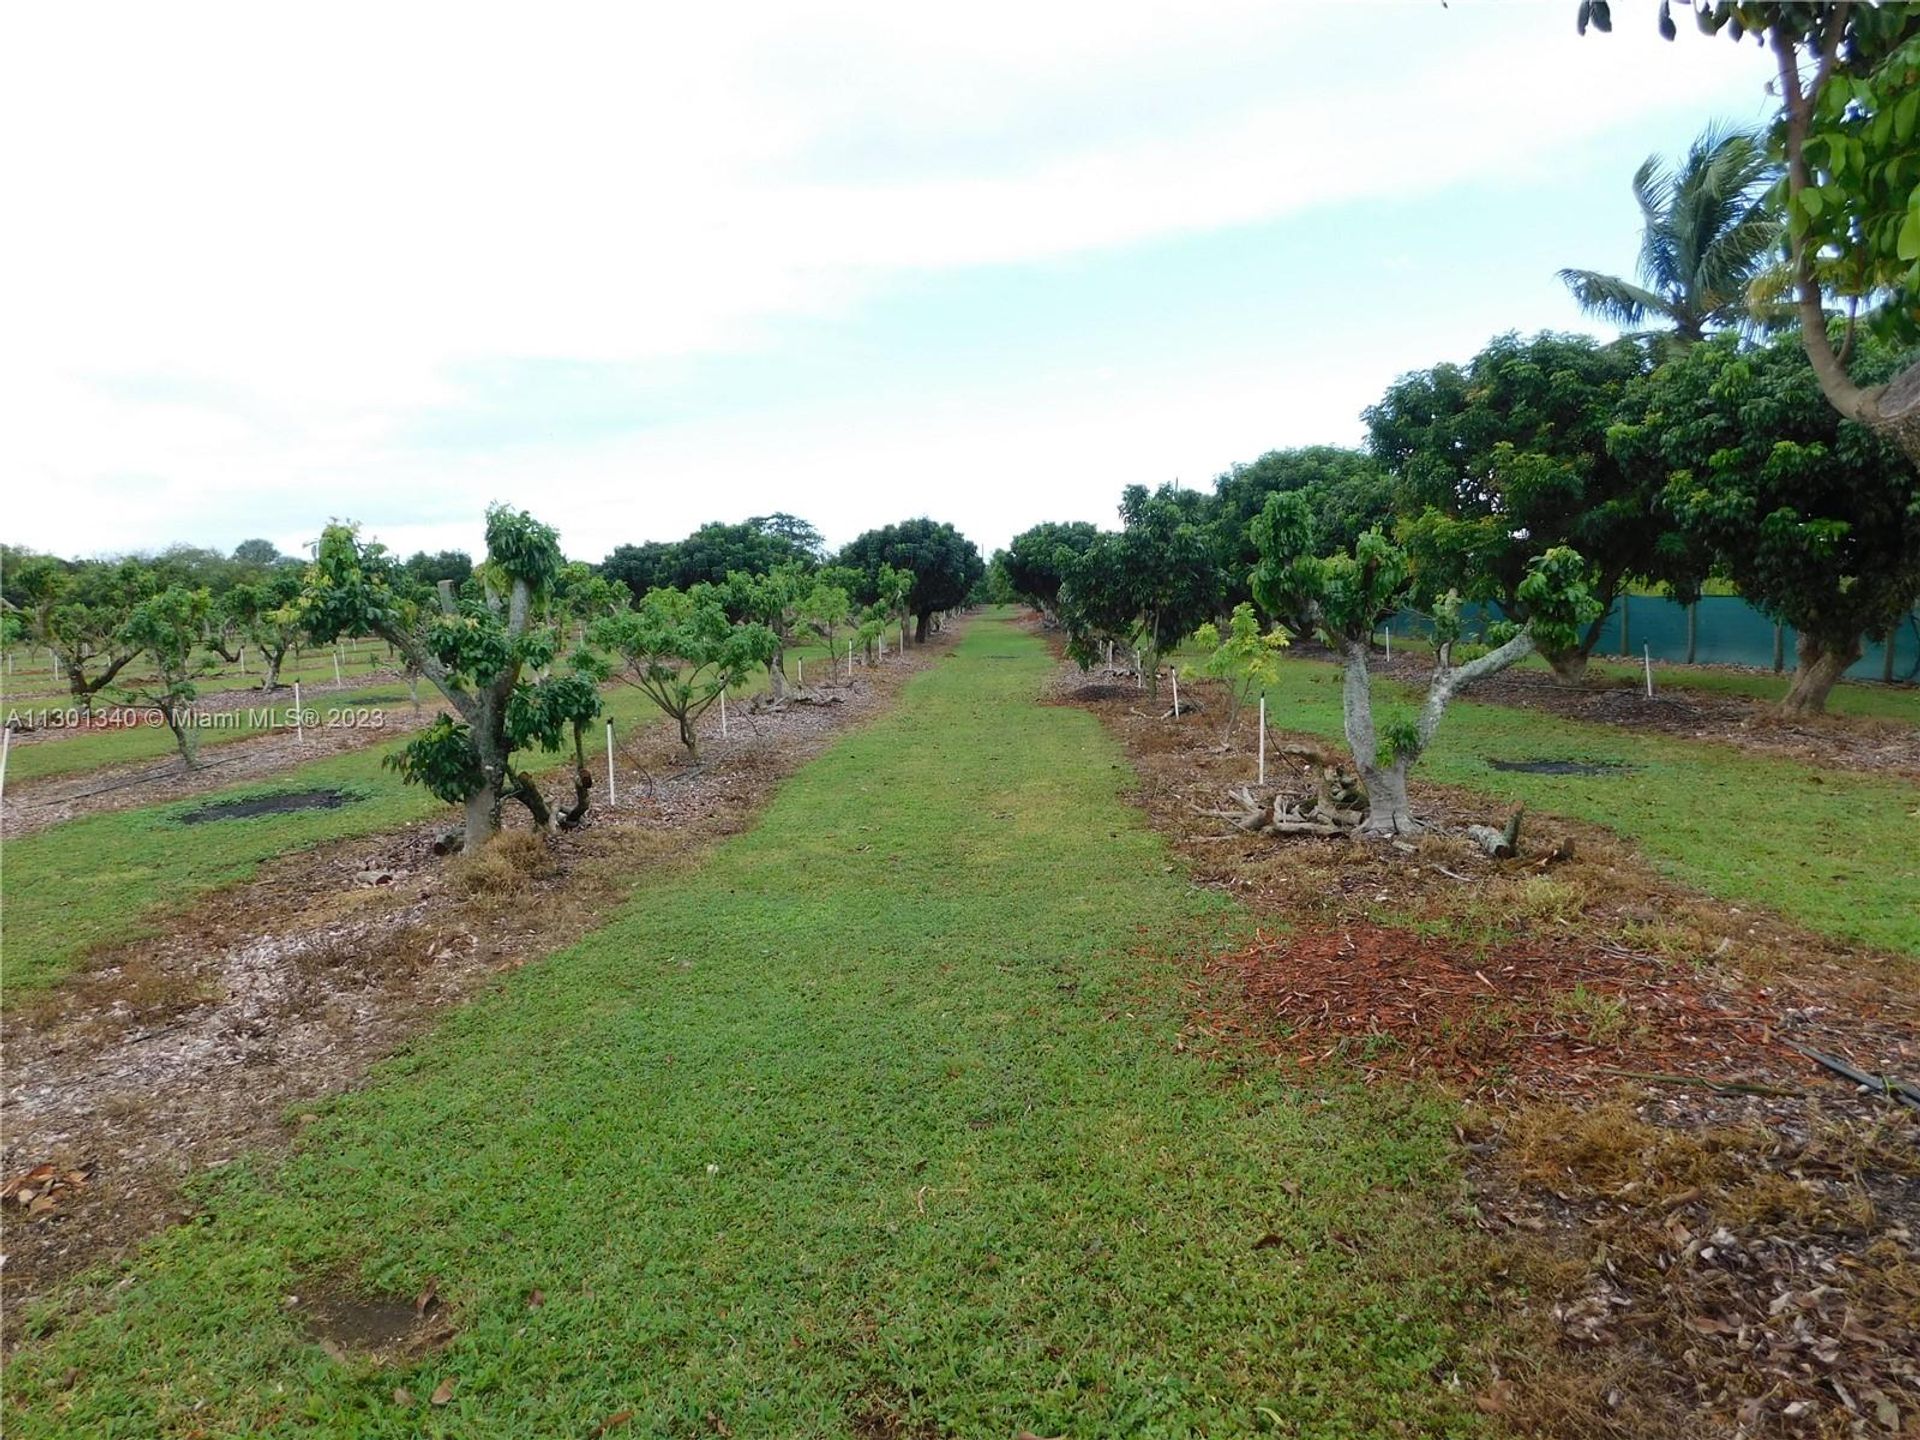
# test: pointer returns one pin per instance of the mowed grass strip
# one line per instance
(111, 877)
(1835, 850)
(872, 1125)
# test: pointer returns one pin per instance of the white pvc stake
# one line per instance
(1176, 692)
(1647, 650)
(336, 667)
(1139, 671)
(6, 744)
(723, 714)
(299, 719)
(903, 634)
(849, 662)
(802, 663)
(613, 790)
(1389, 641)
(243, 659)
(1260, 740)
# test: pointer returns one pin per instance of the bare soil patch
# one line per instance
(181, 1052)
(279, 803)
(1724, 1239)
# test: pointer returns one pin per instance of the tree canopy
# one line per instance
(1348, 491)
(945, 566)
(1037, 560)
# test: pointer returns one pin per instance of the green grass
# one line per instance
(1836, 850)
(112, 877)
(877, 1112)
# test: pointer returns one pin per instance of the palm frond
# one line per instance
(1610, 298)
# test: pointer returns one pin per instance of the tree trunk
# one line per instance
(920, 623)
(272, 659)
(689, 737)
(483, 819)
(1821, 663)
(777, 676)
(1569, 666)
(1388, 812)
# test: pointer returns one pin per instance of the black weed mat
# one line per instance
(267, 805)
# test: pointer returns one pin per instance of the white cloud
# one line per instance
(304, 223)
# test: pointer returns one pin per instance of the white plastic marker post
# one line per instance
(723, 714)
(1176, 691)
(1139, 670)
(903, 634)
(336, 667)
(1389, 640)
(802, 662)
(1647, 650)
(243, 659)
(613, 790)
(6, 744)
(1260, 740)
(849, 662)
(299, 720)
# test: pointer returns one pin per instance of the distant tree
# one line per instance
(642, 567)
(266, 614)
(1346, 593)
(1350, 493)
(582, 595)
(256, 554)
(167, 626)
(1708, 230)
(1816, 519)
(997, 587)
(1147, 587)
(683, 651)
(1847, 131)
(1037, 560)
(479, 652)
(1504, 458)
(795, 531)
(945, 566)
(715, 551)
(429, 570)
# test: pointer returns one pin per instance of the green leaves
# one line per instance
(683, 650)
(442, 759)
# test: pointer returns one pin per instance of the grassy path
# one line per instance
(872, 1126)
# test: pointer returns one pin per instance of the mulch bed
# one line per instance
(1388, 1001)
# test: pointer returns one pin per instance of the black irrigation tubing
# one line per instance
(134, 780)
(1888, 1087)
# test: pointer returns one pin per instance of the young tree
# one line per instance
(167, 627)
(827, 604)
(1504, 458)
(1246, 662)
(266, 613)
(1848, 132)
(1036, 561)
(944, 564)
(1346, 593)
(683, 651)
(478, 652)
(772, 599)
(1148, 587)
(1816, 519)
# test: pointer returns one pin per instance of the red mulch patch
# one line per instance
(1538, 1018)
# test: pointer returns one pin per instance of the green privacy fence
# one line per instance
(1718, 630)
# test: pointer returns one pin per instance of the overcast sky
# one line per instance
(638, 267)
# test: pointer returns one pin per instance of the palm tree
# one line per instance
(1710, 229)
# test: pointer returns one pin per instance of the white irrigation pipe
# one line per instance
(1647, 650)
(1260, 740)
(1176, 692)
(613, 790)
(299, 720)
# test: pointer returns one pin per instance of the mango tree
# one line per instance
(1245, 661)
(479, 651)
(78, 613)
(1147, 587)
(1346, 593)
(683, 651)
(266, 614)
(827, 604)
(943, 564)
(168, 627)
(774, 600)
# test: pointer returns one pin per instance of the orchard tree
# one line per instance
(429, 569)
(1816, 519)
(266, 614)
(1148, 587)
(257, 555)
(1345, 593)
(641, 567)
(1504, 458)
(1848, 132)
(79, 613)
(1037, 559)
(683, 651)
(1350, 493)
(827, 604)
(773, 599)
(945, 566)
(167, 627)
(479, 652)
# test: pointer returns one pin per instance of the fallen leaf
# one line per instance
(442, 1393)
(402, 1396)
(427, 1299)
(613, 1422)
(536, 1299)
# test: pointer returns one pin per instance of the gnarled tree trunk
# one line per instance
(777, 676)
(1821, 663)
